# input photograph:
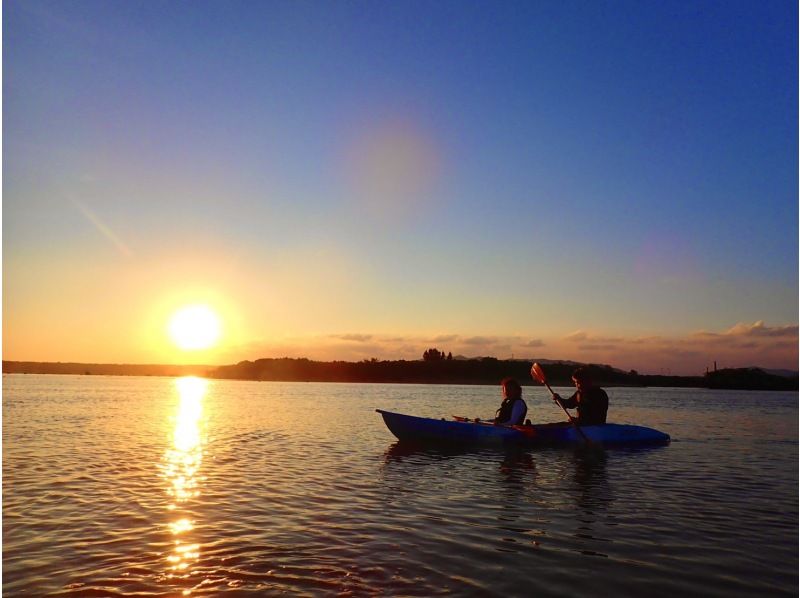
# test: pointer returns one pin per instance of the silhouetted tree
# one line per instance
(433, 355)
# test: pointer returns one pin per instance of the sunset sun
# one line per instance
(194, 327)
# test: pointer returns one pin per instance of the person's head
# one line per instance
(581, 379)
(511, 388)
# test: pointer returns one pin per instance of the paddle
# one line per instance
(537, 373)
(529, 431)
(477, 420)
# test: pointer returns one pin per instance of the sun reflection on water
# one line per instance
(183, 459)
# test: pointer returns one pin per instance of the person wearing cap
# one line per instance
(513, 409)
(591, 401)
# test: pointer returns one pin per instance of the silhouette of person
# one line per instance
(591, 401)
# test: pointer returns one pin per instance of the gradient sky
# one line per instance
(611, 182)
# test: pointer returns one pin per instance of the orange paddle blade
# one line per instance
(538, 373)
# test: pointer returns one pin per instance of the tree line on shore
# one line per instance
(486, 370)
(434, 368)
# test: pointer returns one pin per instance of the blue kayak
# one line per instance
(460, 431)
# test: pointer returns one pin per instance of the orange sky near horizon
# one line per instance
(129, 327)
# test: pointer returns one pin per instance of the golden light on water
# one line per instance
(186, 436)
(180, 526)
(194, 327)
(183, 459)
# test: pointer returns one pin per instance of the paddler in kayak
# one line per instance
(590, 400)
(513, 409)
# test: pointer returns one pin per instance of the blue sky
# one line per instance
(511, 172)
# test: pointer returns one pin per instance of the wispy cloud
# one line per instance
(757, 329)
(357, 338)
(444, 338)
(533, 343)
(577, 336)
(598, 347)
(479, 340)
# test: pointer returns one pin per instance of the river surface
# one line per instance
(175, 487)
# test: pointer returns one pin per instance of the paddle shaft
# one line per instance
(574, 423)
(529, 431)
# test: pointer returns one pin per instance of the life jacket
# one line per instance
(506, 407)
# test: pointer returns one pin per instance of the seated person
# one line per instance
(590, 400)
(513, 409)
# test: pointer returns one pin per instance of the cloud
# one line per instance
(745, 345)
(597, 343)
(479, 340)
(358, 338)
(643, 340)
(759, 329)
(444, 338)
(594, 346)
(533, 343)
(705, 334)
(408, 351)
(577, 336)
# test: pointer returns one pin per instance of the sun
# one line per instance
(194, 327)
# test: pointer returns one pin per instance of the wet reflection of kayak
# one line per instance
(463, 431)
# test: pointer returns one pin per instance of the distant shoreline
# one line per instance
(486, 370)
(104, 369)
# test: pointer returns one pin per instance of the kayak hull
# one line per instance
(429, 430)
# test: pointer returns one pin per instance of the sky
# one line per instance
(606, 182)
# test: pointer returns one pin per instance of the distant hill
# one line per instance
(782, 373)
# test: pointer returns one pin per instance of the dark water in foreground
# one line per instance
(153, 486)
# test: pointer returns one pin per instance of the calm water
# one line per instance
(156, 486)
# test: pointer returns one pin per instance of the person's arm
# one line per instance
(569, 403)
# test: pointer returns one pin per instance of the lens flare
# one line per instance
(393, 168)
